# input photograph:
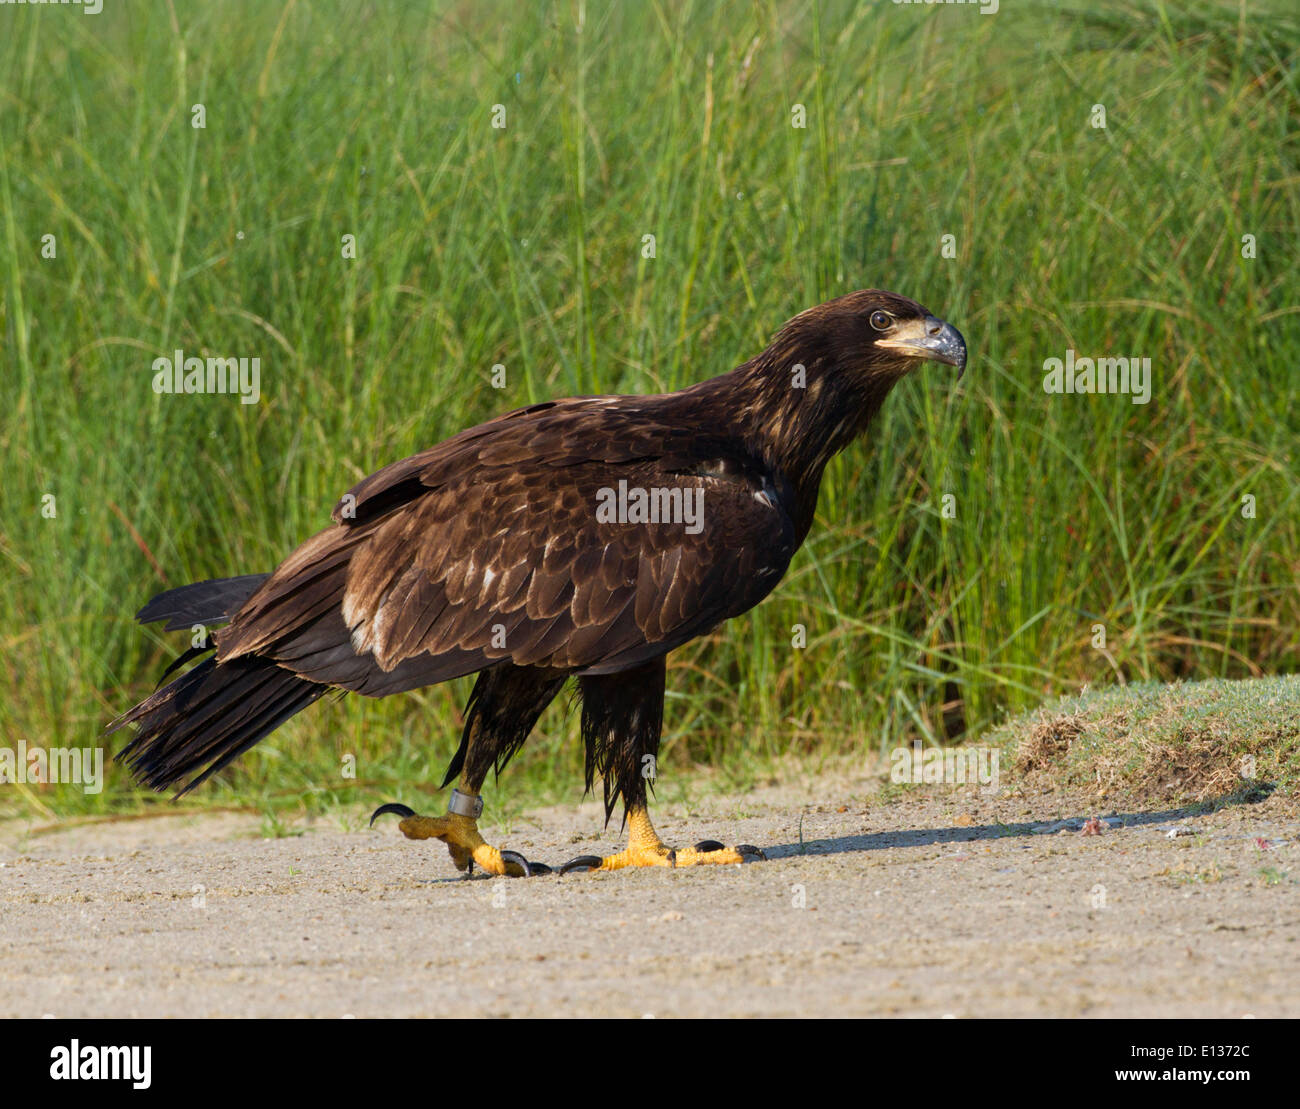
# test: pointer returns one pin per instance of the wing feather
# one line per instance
(498, 530)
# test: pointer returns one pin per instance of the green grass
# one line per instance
(1150, 743)
(522, 247)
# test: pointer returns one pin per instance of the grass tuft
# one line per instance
(1155, 744)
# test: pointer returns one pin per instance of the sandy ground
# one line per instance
(964, 904)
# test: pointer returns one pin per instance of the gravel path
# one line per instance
(926, 906)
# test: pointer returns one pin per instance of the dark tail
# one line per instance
(214, 712)
(209, 716)
(204, 602)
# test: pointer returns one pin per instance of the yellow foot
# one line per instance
(467, 847)
(656, 853)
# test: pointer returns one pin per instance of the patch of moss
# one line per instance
(1182, 742)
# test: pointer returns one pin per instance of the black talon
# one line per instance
(515, 857)
(672, 857)
(710, 845)
(749, 851)
(541, 868)
(582, 862)
(391, 807)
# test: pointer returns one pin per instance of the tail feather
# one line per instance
(204, 602)
(216, 708)
(211, 714)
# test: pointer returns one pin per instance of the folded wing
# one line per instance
(506, 543)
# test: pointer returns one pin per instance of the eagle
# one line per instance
(579, 538)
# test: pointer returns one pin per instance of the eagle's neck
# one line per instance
(797, 422)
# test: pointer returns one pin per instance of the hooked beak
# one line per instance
(931, 339)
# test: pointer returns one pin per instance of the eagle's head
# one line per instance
(883, 334)
(822, 380)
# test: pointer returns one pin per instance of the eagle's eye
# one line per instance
(881, 321)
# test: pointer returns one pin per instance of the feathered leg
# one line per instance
(622, 719)
(503, 708)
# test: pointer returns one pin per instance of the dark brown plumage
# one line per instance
(487, 554)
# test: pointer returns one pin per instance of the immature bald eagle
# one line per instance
(586, 537)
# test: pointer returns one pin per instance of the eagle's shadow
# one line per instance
(923, 837)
